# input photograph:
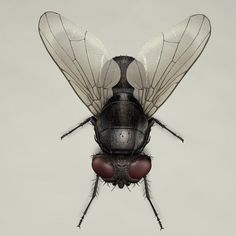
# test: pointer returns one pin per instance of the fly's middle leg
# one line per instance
(91, 119)
(153, 121)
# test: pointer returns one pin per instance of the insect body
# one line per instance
(122, 131)
(123, 92)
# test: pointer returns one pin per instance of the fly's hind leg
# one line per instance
(152, 121)
(94, 194)
(91, 119)
(147, 194)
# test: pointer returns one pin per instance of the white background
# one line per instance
(45, 182)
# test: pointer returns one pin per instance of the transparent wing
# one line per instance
(163, 62)
(82, 58)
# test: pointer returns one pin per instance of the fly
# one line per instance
(123, 93)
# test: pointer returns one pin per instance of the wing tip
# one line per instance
(203, 16)
(46, 14)
(49, 12)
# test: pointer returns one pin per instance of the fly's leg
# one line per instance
(94, 193)
(147, 194)
(152, 121)
(91, 119)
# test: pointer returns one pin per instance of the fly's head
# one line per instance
(121, 169)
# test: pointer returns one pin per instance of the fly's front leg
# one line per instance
(91, 119)
(94, 194)
(152, 121)
(147, 194)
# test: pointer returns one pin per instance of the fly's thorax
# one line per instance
(122, 127)
(121, 169)
(121, 140)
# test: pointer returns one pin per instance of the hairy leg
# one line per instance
(147, 194)
(91, 119)
(152, 121)
(94, 193)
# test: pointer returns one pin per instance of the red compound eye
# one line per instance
(102, 167)
(140, 167)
